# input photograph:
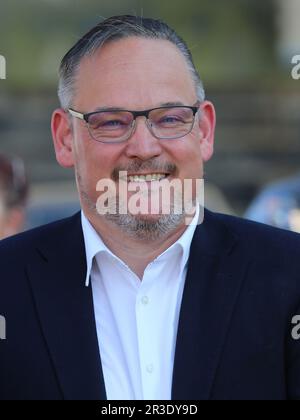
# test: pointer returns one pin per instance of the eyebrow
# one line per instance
(124, 109)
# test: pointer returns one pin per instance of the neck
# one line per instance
(134, 252)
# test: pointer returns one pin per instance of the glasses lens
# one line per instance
(170, 123)
(110, 126)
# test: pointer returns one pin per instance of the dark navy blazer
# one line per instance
(234, 339)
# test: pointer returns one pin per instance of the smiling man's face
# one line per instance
(133, 74)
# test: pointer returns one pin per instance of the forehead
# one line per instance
(134, 73)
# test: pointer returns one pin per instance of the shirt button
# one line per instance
(145, 300)
(150, 368)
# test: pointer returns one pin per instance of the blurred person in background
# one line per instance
(278, 205)
(13, 196)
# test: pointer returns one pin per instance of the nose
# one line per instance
(142, 144)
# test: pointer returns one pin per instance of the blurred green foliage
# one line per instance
(233, 41)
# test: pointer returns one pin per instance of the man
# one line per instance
(13, 196)
(143, 305)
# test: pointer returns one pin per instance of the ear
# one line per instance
(207, 125)
(63, 138)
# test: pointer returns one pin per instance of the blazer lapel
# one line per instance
(214, 279)
(65, 310)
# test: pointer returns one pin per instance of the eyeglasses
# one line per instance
(117, 126)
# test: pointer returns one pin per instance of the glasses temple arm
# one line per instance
(76, 114)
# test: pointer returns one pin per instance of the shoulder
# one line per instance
(258, 238)
(271, 255)
(17, 248)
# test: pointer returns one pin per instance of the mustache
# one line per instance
(140, 166)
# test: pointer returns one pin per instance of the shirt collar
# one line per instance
(95, 245)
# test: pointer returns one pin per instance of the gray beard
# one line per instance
(137, 226)
(144, 229)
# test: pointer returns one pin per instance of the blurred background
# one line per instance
(243, 50)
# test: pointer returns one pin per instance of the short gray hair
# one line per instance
(112, 29)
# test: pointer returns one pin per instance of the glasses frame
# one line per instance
(135, 114)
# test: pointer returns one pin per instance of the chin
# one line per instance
(147, 217)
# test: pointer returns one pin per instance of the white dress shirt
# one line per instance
(137, 320)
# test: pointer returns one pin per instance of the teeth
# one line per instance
(149, 178)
